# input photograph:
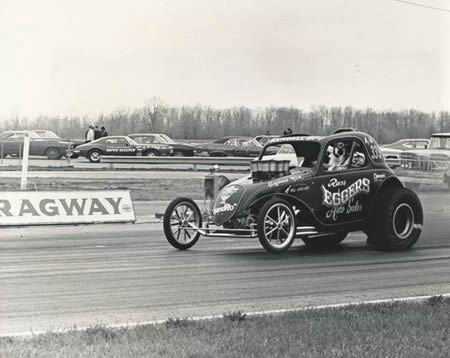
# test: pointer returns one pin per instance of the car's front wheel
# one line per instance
(95, 156)
(276, 226)
(181, 222)
(397, 222)
(53, 153)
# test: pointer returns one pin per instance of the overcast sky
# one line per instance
(90, 56)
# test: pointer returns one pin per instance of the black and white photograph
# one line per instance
(225, 178)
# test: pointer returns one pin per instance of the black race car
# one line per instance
(162, 142)
(230, 146)
(112, 145)
(42, 143)
(317, 189)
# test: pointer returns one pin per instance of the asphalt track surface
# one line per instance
(65, 276)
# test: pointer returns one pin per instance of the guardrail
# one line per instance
(194, 161)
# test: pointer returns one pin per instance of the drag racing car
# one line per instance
(162, 141)
(236, 146)
(318, 190)
(112, 145)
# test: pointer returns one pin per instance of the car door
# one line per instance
(344, 183)
(231, 147)
(158, 143)
(118, 146)
(242, 147)
(13, 144)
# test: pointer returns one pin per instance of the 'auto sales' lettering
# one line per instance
(342, 197)
(56, 207)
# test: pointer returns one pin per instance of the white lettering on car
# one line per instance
(342, 197)
(227, 207)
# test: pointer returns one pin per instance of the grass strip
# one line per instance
(377, 330)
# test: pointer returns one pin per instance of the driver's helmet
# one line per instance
(339, 149)
(358, 159)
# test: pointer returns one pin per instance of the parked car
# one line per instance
(339, 184)
(408, 144)
(236, 146)
(112, 145)
(42, 143)
(435, 157)
(392, 152)
(162, 142)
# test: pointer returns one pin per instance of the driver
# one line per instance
(338, 157)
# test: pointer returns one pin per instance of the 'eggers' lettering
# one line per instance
(342, 197)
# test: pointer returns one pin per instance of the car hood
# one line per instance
(236, 197)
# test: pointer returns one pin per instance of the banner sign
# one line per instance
(65, 207)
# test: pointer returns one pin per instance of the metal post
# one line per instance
(69, 154)
(25, 154)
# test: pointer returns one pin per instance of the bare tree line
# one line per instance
(201, 122)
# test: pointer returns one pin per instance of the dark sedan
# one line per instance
(42, 143)
(231, 146)
(163, 141)
(113, 145)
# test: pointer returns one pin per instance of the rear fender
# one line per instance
(387, 183)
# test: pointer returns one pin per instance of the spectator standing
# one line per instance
(103, 132)
(97, 132)
(90, 134)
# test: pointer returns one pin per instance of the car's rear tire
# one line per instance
(53, 154)
(276, 226)
(324, 242)
(95, 156)
(178, 218)
(397, 220)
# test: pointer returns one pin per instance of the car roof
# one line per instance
(144, 134)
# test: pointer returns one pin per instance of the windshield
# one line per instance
(299, 154)
(132, 141)
(167, 139)
(440, 143)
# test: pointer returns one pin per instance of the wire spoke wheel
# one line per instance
(182, 220)
(276, 226)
